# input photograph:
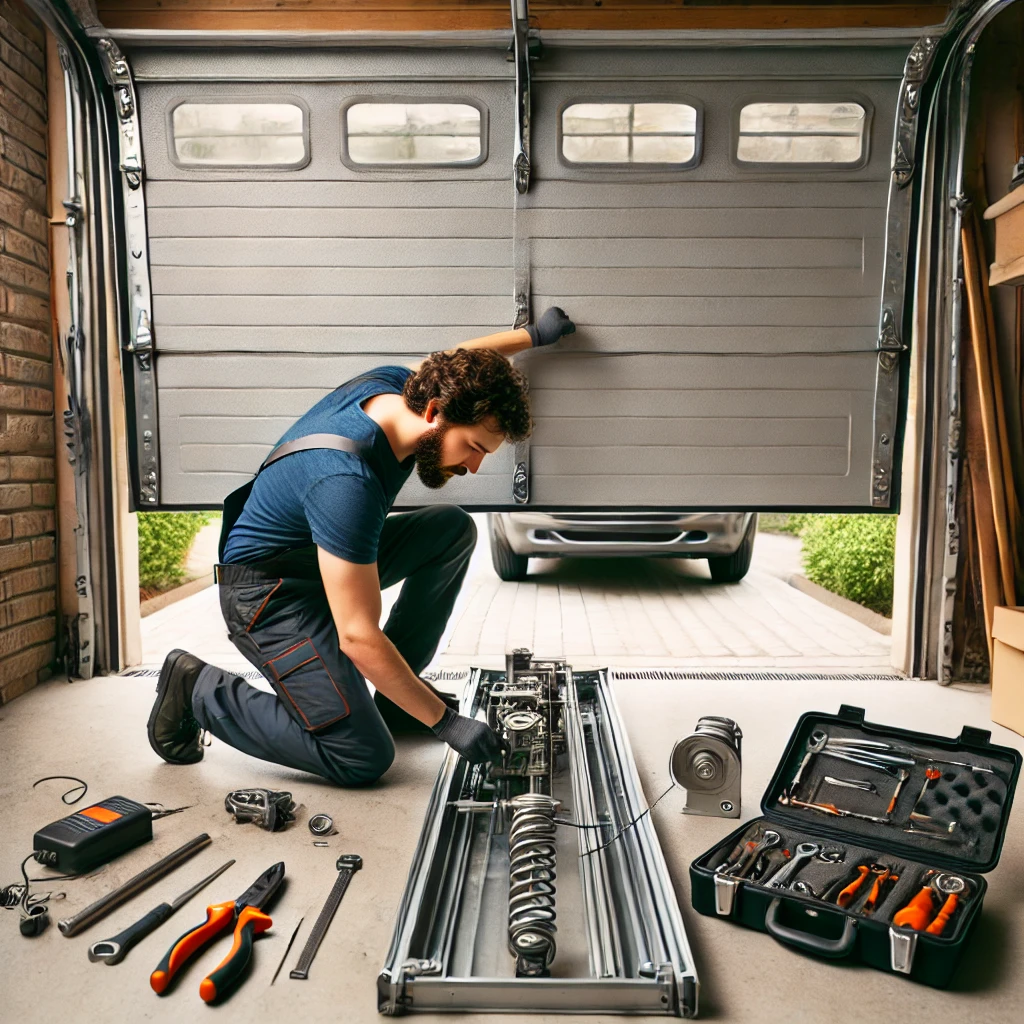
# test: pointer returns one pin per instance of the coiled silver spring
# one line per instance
(531, 896)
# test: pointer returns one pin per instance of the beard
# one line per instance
(431, 471)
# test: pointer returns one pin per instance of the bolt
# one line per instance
(726, 806)
(705, 769)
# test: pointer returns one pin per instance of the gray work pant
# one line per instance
(321, 717)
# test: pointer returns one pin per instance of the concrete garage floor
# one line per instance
(96, 730)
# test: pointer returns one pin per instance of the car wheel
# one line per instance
(507, 564)
(732, 568)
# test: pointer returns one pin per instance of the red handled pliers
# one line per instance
(247, 917)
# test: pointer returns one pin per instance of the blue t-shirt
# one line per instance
(333, 499)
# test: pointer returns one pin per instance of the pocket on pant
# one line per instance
(302, 678)
(243, 605)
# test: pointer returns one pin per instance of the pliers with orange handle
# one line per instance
(849, 893)
(917, 914)
(246, 916)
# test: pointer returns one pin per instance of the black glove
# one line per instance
(550, 327)
(476, 741)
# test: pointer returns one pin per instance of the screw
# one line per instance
(726, 806)
(884, 439)
(705, 769)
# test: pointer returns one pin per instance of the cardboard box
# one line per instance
(1008, 213)
(1008, 668)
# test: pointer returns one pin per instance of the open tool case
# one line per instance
(899, 900)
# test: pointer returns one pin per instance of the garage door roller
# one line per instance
(707, 766)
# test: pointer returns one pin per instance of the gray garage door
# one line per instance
(713, 219)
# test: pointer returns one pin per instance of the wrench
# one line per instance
(803, 853)
(748, 858)
(815, 745)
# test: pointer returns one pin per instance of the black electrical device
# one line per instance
(93, 835)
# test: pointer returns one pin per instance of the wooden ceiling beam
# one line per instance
(464, 15)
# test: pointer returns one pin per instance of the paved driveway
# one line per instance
(627, 612)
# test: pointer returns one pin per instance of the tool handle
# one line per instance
(917, 912)
(938, 926)
(251, 922)
(845, 898)
(113, 951)
(218, 917)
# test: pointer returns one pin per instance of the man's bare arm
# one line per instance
(508, 343)
(353, 592)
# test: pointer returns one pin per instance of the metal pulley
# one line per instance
(707, 765)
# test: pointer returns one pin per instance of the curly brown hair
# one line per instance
(471, 384)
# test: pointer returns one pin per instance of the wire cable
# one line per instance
(625, 828)
(83, 786)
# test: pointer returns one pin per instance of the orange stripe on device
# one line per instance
(97, 813)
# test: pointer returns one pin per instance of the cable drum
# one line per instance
(707, 765)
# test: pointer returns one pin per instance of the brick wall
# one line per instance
(28, 568)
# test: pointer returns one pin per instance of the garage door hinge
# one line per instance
(521, 55)
(889, 344)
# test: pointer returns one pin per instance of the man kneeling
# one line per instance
(307, 547)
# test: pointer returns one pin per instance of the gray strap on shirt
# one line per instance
(338, 442)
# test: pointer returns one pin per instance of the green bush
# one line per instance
(852, 556)
(781, 522)
(164, 542)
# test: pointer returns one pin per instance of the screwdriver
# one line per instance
(113, 951)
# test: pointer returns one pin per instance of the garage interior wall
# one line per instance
(28, 621)
(991, 564)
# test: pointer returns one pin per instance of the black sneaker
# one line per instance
(173, 731)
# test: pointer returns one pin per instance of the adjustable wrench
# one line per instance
(803, 853)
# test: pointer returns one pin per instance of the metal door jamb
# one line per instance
(520, 245)
(890, 344)
(140, 298)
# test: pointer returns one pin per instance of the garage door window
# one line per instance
(630, 133)
(239, 135)
(801, 133)
(413, 133)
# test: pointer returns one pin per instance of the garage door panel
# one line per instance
(404, 344)
(324, 310)
(332, 252)
(555, 404)
(710, 253)
(690, 431)
(657, 281)
(478, 222)
(286, 192)
(699, 194)
(322, 280)
(727, 314)
(725, 222)
(724, 311)
(625, 461)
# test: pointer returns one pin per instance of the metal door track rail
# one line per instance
(767, 675)
(476, 926)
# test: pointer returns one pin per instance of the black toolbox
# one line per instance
(868, 890)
